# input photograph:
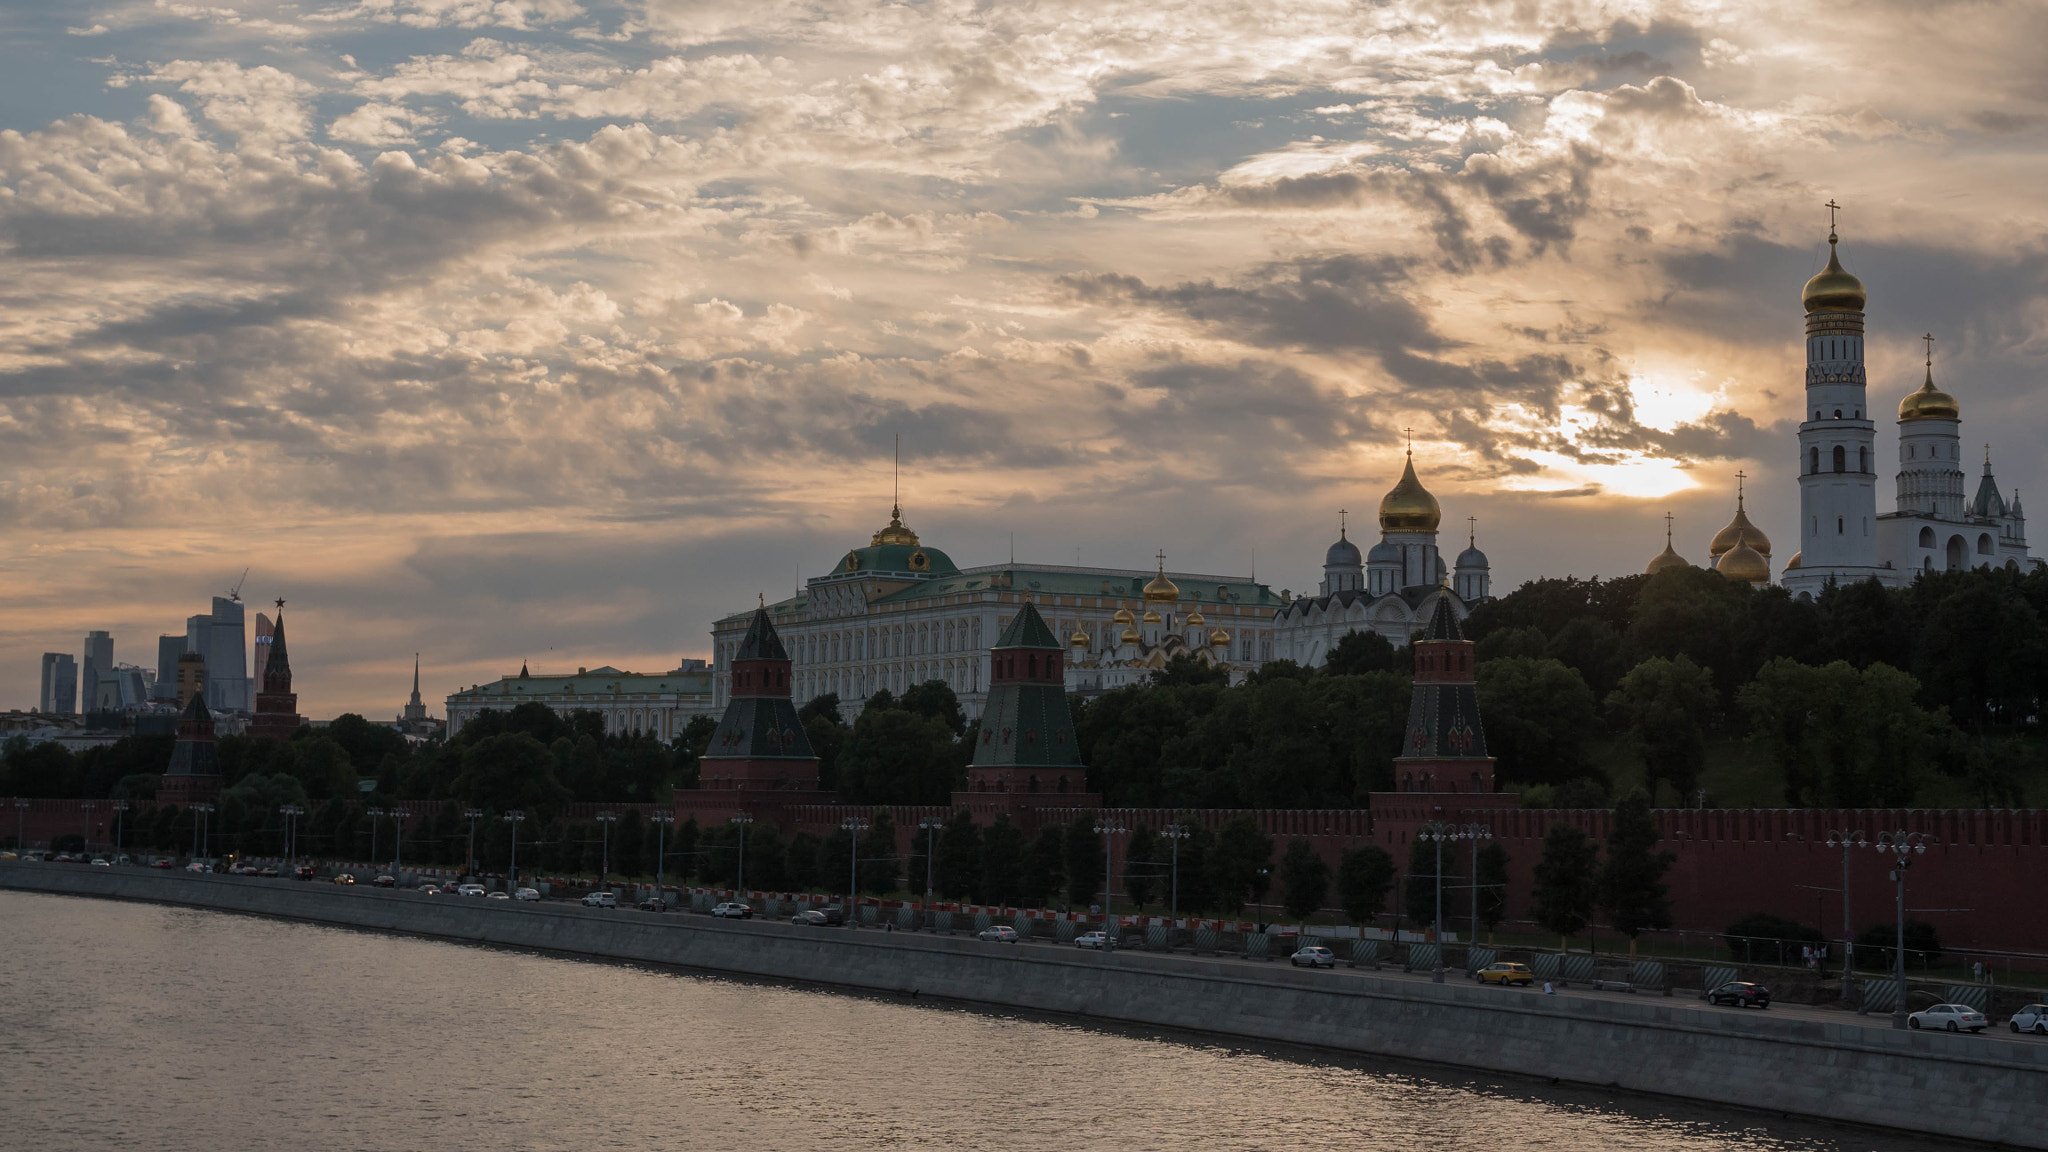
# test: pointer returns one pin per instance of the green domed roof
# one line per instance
(915, 558)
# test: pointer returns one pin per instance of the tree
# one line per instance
(934, 700)
(1186, 670)
(1083, 853)
(835, 862)
(957, 859)
(1665, 705)
(1365, 874)
(1537, 715)
(880, 867)
(895, 756)
(1141, 866)
(1304, 880)
(1567, 881)
(1840, 737)
(1511, 644)
(1420, 890)
(1002, 863)
(802, 861)
(1044, 868)
(1593, 648)
(1492, 892)
(509, 770)
(1632, 889)
(1363, 651)
(1238, 864)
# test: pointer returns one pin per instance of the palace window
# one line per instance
(1841, 459)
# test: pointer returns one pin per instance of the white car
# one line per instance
(470, 890)
(527, 894)
(102, 862)
(1000, 933)
(596, 900)
(1314, 956)
(196, 866)
(733, 909)
(1091, 940)
(1949, 1017)
(496, 896)
(2032, 1018)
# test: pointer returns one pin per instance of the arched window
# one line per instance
(1813, 460)
(1956, 552)
(1984, 544)
(1863, 459)
(1926, 537)
(1841, 459)
(1838, 413)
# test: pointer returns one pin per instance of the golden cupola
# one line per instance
(1079, 639)
(1123, 616)
(1219, 639)
(1669, 557)
(1928, 402)
(1130, 636)
(1151, 616)
(1744, 563)
(1834, 289)
(894, 532)
(1196, 619)
(1409, 507)
(1160, 590)
(1740, 533)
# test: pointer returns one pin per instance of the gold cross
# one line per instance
(1739, 478)
(1410, 432)
(1340, 522)
(1472, 531)
(1162, 561)
(1930, 348)
(1667, 529)
(1832, 208)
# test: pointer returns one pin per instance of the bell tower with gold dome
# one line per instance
(1837, 437)
(1406, 556)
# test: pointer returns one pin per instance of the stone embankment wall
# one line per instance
(1954, 1085)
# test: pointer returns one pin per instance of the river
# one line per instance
(138, 1026)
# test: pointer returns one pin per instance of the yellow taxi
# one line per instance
(344, 878)
(1505, 972)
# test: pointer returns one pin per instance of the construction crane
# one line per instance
(235, 593)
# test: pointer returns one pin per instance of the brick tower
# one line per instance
(277, 707)
(194, 771)
(760, 744)
(1027, 747)
(1445, 746)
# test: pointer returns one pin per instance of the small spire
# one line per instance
(1987, 459)
(1739, 478)
(1832, 208)
(896, 486)
(1341, 526)
(1162, 560)
(415, 673)
(1472, 531)
(761, 599)
(1667, 529)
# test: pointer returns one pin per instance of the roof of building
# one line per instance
(761, 642)
(1443, 623)
(1833, 289)
(1342, 554)
(277, 667)
(1989, 503)
(605, 681)
(1027, 630)
(759, 728)
(1928, 402)
(1408, 506)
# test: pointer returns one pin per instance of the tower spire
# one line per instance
(1342, 527)
(896, 485)
(1472, 531)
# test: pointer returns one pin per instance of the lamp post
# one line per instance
(120, 810)
(291, 813)
(85, 813)
(1475, 833)
(1846, 839)
(1175, 833)
(931, 826)
(20, 809)
(512, 870)
(375, 814)
(854, 826)
(397, 840)
(741, 882)
(206, 817)
(1108, 829)
(605, 820)
(661, 822)
(469, 853)
(1440, 832)
(1902, 846)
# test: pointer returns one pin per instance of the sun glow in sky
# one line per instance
(553, 329)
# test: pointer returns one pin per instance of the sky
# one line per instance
(552, 330)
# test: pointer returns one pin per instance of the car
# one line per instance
(600, 900)
(1741, 994)
(266, 870)
(1505, 973)
(497, 896)
(652, 904)
(385, 880)
(528, 894)
(2032, 1018)
(809, 918)
(1091, 940)
(8, 854)
(305, 872)
(197, 866)
(733, 909)
(242, 870)
(1949, 1018)
(163, 862)
(835, 915)
(1313, 956)
(1000, 934)
(344, 878)
(469, 890)
(430, 889)
(102, 862)
(122, 860)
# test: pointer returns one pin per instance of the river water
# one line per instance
(136, 1026)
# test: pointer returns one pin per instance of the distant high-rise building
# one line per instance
(191, 677)
(277, 708)
(60, 684)
(227, 659)
(122, 688)
(261, 649)
(168, 649)
(99, 661)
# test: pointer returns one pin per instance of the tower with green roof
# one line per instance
(760, 743)
(1027, 743)
(1445, 748)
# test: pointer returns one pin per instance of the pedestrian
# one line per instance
(1549, 989)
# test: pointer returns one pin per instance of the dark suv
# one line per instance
(1740, 994)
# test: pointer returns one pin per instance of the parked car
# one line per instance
(1741, 994)
(1313, 956)
(344, 878)
(1949, 1018)
(733, 909)
(162, 862)
(835, 915)
(809, 918)
(9, 854)
(470, 890)
(242, 870)
(102, 862)
(999, 933)
(1505, 973)
(497, 896)
(600, 900)
(652, 904)
(1091, 940)
(430, 889)
(2032, 1018)
(305, 872)
(197, 866)
(527, 894)
(266, 870)
(385, 880)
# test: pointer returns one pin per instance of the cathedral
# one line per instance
(1933, 527)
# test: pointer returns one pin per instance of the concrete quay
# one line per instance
(1979, 1087)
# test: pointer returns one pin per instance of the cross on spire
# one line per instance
(1410, 433)
(1162, 561)
(1667, 529)
(1472, 531)
(1832, 208)
(1930, 348)
(1739, 478)
(1342, 527)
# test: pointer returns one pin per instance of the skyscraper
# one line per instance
(99, 661)
(227, 658)
(168, 649)
(60, 684)
(261, 648)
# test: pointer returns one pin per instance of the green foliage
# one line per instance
(509, 770)
(1358, 653)
(934, 700)
(880, 869)
(1632, 888)
(1492, 893)
(1188, 672)
(1002, 863)
(1877, 946)
(802, 860)
(1582, 792)
(1304, 880)
(825, 707)
(1142, 872)
(1082, 853)
(1762, 938)
(835, 861)
(1594, 649)
(1665, 706)
(1567, 880)
(1512, 644)
(1839, 737)
(897, 756)
(1044, 872)
(1537, 715)
(1365, 875)
(957, 860)
(1419, 891)
(1238, 863)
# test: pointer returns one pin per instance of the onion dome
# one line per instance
(1794, 561)
(1123, 616)
(1472, 558)
(1738, 533)
(1834, 290)
(1130, 636)
(1929, 403)
(894, 532)
(1668, 558)
(1384, 553)
(1079, 639)
(1219, 639)
(1151, 617)
(1746, 564)
(1342, 554)
(1409, 507)
(1196, 619)
(1160, 590)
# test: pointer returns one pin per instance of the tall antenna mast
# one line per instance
(896, 487)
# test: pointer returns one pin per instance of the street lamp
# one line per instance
(291, 814)
(605, 821)
(120, 808)
(1175, 833)
(20, 808)
(1107, 829)
(931, 826)
(1902, 846)
(1440, 832)
(742, 820)
(854, 826)
(85, 811)
(469, 854)
(512, 870)
(661, 822)
(1475, 833)
(205, 812)
(1846, 839)
(397, 840)
(375, 814)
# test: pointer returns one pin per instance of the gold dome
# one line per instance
(1219, 639)
(1746, 564)
(1929, 403)
(1123, 616)
(1794, 561)
(1409, 507)
(1668, 558)
(1079, 639)
(1130, 636)
(1740, 532)
(1151, 617)
(1834, 290)
(1160, 590)
(895, 532)
(1196, 619)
